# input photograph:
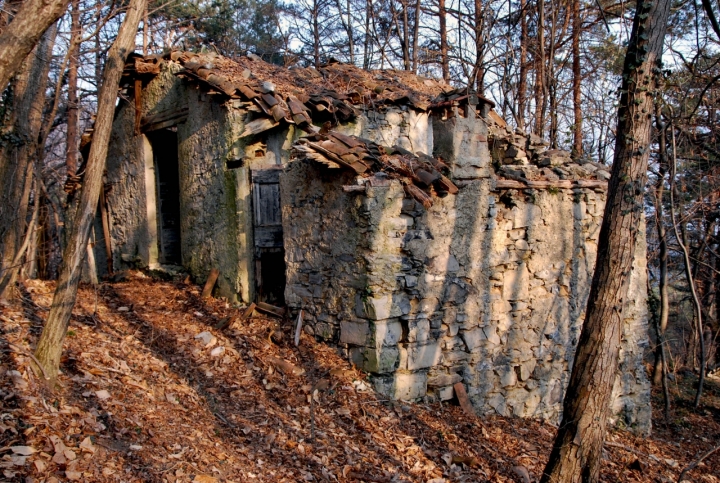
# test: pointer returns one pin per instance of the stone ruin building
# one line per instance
(414, 230)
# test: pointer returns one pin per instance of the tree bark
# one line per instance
(577, 450)
(522, 83)
(540, 71)
(71, 160)
(24, 31)
(577, 150)
(442, 20)
(479, 68)
(659, 371)
(16, 158)
(682, 242)
(49, 346)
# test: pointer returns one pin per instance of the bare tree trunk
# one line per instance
(24, 31)
(316, 33)
(406, 34)
(577, 450)
(682, 241)
(367, 45)
(551, 83)
(442, 20)
(479, 67)
(71, 159)
(16, 159)
(350, 33)
(416, 37)
(49, 346)
(660, 359)
(522, 83)
(577, 150)
(540, 71)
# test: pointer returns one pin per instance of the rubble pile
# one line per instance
(524, 157)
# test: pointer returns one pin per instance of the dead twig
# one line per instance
(694, 464)
(28, 354)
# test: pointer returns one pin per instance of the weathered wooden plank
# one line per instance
(259, 125)
(463, 399)
(138, 105)
(271, 309)
(248, 312)
(266, 175)
(353, 188)
(164, 119)
(268, 237)
(212, 278)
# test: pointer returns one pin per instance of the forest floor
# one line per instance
(142, 399)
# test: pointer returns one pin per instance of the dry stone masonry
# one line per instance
(486, 287)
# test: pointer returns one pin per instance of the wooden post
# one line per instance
(92, 268)
(298, 327)
(106, 231)
(138, 105)
(212, 278)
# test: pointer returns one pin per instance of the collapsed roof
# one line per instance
(302, 95)
(421, 175)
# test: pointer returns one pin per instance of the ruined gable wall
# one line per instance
(210, 203)
(214, 200)
(126, 199)
(395, 125)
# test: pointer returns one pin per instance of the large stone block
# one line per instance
(414, 357)
(440, 379)
(382, 307)
(386, 332)
(402, 385)
(473, 338)
(383, 360)
(356, 333)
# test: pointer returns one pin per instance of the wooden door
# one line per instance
(268, 238)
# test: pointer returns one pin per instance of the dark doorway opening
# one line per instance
(271, 279)
(165, 153)
(267, 224)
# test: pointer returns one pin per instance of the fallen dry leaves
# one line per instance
(150, 392)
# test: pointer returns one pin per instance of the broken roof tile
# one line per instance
(417, 173)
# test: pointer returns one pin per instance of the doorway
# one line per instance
(165, 156)
(267, 225)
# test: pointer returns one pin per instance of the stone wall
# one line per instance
(487, 287)
(396, 125)
(216, 229)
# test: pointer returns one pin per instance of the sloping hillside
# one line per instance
(152, 392)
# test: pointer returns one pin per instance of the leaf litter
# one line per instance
(150, 392)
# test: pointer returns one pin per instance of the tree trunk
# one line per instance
(522, 83)
(683, 243)
(577, 450)
(479, 68)
(49, 346)
(16, 159)
(24, 31)
(442, 20)
(416, 37)
(71, 159)
(659, 371)
(316, 33)
(661, 321)
(406, 34)
(540, 71)
(577, 150)
(367, 41)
